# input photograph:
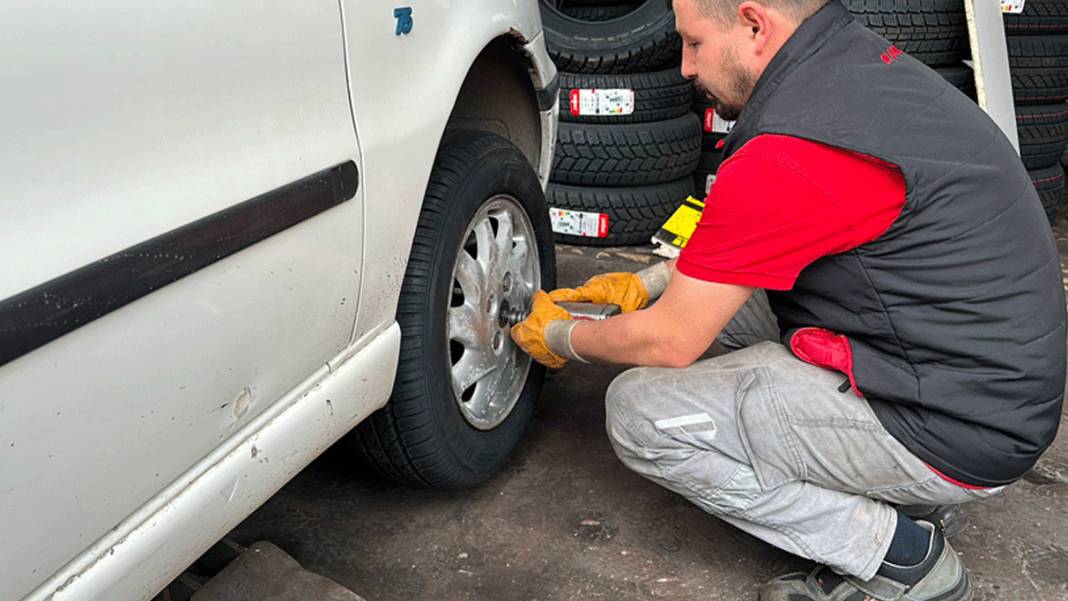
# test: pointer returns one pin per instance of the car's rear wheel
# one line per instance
(464, 392)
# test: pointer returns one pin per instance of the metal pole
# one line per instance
(990, 55)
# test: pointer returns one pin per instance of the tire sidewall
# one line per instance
(477, 453)
(589, 36)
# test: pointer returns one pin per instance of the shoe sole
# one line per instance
(961, 592)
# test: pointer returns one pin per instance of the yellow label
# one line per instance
(682, 224)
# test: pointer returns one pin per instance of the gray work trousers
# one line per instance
(769, 444)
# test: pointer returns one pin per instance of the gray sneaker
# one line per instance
(939, 577)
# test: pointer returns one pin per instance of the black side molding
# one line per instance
(41, 314)
(549, 95)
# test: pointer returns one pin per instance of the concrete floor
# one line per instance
(566, 521)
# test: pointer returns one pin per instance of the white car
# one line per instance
(232, 231)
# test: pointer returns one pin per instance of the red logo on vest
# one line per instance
(892, 54)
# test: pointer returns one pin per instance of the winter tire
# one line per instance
(932, 31)
(709, 139)
(1043, 134)
(1039, 68)
(634, 214)
(483, 244)
(961, 77)
(598, 13)
(1049, 183)
(658, 96)
(639, 41)
(1040, 17)
(710, 162)
(627, 155)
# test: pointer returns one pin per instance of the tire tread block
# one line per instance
(627, 155)
(634, 214)
(933, 31)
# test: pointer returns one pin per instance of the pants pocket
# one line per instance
(767, 437)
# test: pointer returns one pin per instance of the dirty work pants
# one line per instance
(769, 444)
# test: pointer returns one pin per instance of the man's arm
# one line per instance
(674, 332)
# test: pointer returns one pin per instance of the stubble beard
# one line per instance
(740, 83)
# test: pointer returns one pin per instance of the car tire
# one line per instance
(638, 154)
(605, 12)
(1039, 68)
(1040, 17)
(634, 214)
(658, 96)
(961, 77)
(1049, 183)
(423, 435)
(932, 31)
(710, 162)
(641, 40)
(1043, 132)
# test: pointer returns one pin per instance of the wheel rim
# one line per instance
(497, 269)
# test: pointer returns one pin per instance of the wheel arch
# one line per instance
(510, 92)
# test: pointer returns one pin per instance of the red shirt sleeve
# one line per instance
(781, 203)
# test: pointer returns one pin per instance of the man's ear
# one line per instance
(754, 17)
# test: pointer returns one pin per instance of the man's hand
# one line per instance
(623, 289)
(530, 333)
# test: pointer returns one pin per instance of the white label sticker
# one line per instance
(610, 103)
(579, 223)
(708, 183)
(1014, 7)
(714, 124)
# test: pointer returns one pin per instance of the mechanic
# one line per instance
(877, 256)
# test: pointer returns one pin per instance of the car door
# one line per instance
(181, 223)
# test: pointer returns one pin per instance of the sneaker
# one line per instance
(949, 518)
(939, 577)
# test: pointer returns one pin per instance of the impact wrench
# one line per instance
(579, 311)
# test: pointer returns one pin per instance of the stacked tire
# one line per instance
(628, 144)
(713, 131)
(1038, 59)
(934, 32)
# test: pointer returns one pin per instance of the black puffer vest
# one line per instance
(951, 324)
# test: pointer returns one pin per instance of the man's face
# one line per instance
(714, 54)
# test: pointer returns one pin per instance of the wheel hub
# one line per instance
(495, 275)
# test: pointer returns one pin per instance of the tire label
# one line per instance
(579, 223)
(711, 179)
(714, 124)
(1013, 7)
(610, 103)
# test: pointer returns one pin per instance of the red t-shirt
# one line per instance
(779, 203)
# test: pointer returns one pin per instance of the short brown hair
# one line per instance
(724, 10)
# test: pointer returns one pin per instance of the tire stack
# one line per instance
(628, 144)
(934, 32)
(713, 130)
(1038, 58)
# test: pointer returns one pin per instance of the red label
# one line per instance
(575, 103)
(710, 120)
(602, 226)
(892, 54)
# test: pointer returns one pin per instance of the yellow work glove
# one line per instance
(623, 289)
(529, 334)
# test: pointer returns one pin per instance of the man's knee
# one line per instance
(629, 419)
(623, 396)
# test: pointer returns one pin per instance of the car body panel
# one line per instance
(421, 74)
(131, 444)
(124, 121)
